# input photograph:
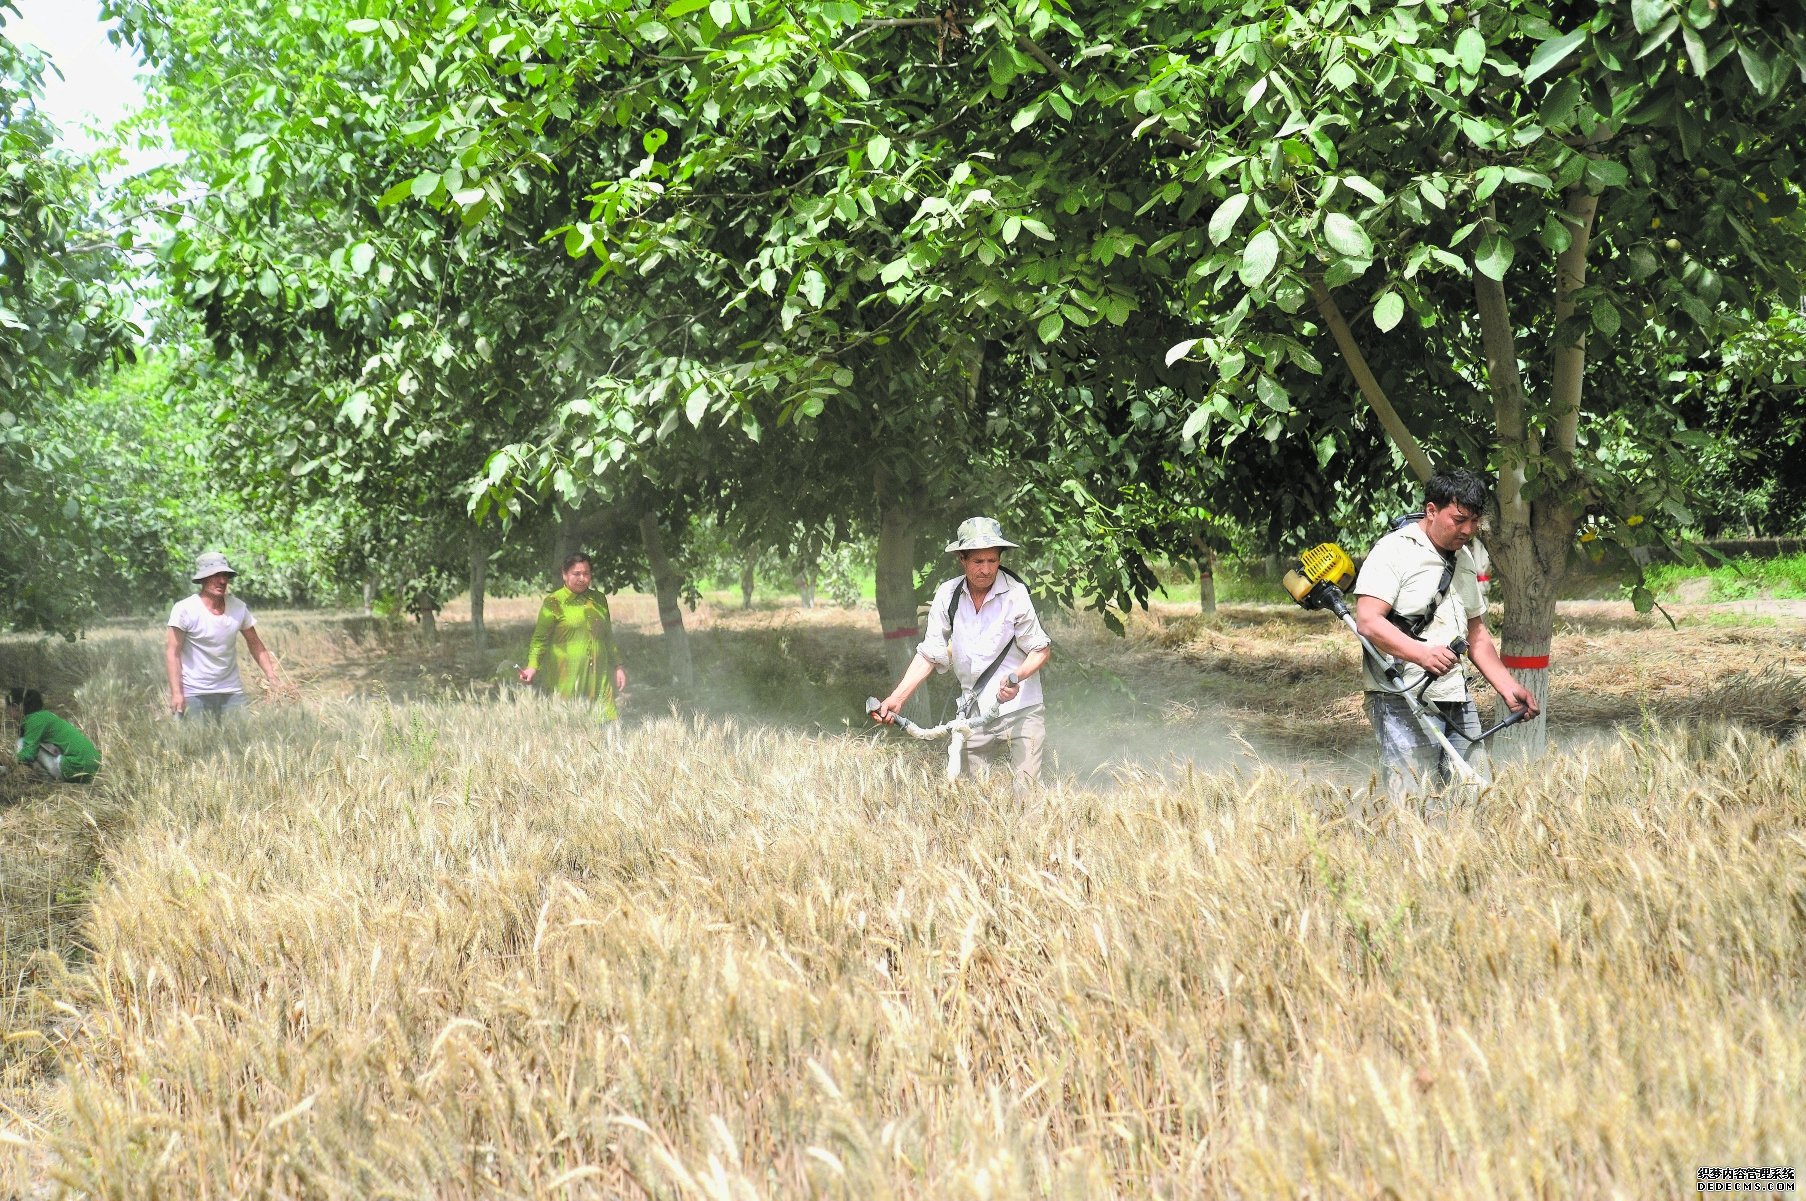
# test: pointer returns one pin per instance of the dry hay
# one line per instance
(360, 948)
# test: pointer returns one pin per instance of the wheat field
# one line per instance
(450, 946)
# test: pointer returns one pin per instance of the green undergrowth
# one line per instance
(1742, 578)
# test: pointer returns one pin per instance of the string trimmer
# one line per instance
(963, 724)
(1324, 573)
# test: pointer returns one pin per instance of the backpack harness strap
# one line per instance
(959, 590)
(1415, 626)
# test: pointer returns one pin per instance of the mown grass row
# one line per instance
(454, 949)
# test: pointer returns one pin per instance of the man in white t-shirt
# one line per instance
(201, 654)
(1418, 592)
(982, 627)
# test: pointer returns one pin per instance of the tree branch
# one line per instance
(1370, 387)
(1033, 49)
(1569, 366)
(1507, 385)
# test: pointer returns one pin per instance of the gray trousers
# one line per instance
(1414, 763)
(50, 758)
(213, 705)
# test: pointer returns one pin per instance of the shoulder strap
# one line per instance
(1415, 626)
(984, 677)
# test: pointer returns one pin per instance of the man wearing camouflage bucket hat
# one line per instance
(201, 654)
(982, 627)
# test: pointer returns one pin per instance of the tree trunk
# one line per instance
(746, 581)
(805, 586)
(1207, 576)
(479, 578)
(1529, 586)
(668, 585)
(369, 595)
(1534, 535)
(896, 585)
(564, 537)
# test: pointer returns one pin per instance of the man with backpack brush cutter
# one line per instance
(982, 626)
(1417, 599)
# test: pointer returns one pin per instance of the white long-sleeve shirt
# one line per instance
(976, 636)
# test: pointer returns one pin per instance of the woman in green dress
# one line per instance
(574, 627)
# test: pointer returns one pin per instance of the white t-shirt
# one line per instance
(1403, 570)
(210, 644)
(978, 636)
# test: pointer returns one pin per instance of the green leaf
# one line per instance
(696, 406)
(1346, 236)
(894, 270)
(362, 25)
(396, 194)
(1470, 50)
(1259, 258)
(1658, 37)
(1647, 14)
(1388, 311)
(1222, 222)
(268, 284)
(362, 255)
(721, 12)
(1605, 317)
(683, 8)
(425, 185)
(814, 287)
(1200, 417)
(1050, 327)
(1766, 74)
(1345, 271)
(878, 152)
(1179, 350)
(1273, 394)
(1493, 258)
(1696, 50)
(1550, 54)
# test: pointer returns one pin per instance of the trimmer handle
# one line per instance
(871, 710)
(1512, 719)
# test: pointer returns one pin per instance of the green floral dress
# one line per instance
(577, 632)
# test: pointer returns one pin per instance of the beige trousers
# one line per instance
(1019, 737)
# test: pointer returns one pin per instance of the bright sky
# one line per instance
(99, 79)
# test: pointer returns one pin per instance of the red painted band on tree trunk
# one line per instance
(901, 632)
(1525, 661)
(672, 624)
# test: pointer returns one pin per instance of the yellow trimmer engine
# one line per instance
(1323, 574)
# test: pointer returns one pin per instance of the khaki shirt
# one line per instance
(978, 636)
(1403, 570)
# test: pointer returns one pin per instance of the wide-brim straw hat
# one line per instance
(979, 533)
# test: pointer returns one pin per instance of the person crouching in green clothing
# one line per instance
(574, 626)
(49, 741)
